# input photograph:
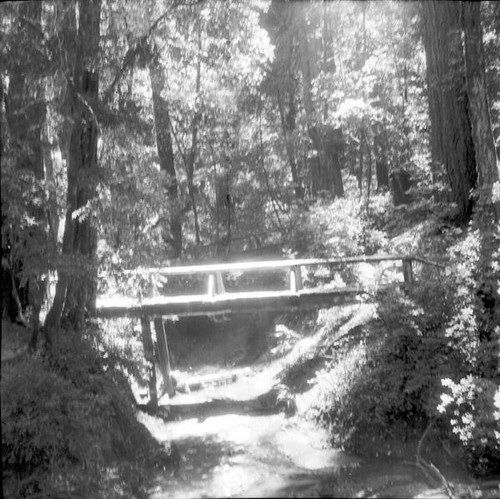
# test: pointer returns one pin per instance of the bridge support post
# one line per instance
(219, 284)
(147, 343)
(161, 338)
(215, 284)
(295, 279)
(211, 285)
(408, 273)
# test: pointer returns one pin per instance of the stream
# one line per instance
(229, 449)
(268, 455)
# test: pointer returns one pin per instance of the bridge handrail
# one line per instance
(275, 264)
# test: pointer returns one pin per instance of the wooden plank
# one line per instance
(161, 339)
(211, 286)
(233, 303)
(215, 284)
(295, 279)
(219, 284)
(261, 266)
(147, 343)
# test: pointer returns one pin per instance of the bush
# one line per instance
(436, 355)
(67, 420)
(378, 393)
(472, 406)
(391, 384)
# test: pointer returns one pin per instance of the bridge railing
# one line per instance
(214, 272)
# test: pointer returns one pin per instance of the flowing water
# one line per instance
(232, 449)
(268, 455)
(228, 447)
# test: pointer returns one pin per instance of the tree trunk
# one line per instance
(281, 18)
(361, 167)
(288, 127)
(194, 142)
(487, 211)
(484, 144)
(166, 155)
(368, 173)
(321, 178)
(381, 169)
(333, 146)
(76, 286)
(451, 136)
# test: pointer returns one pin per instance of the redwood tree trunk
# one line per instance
(326, 173)
(451, 135)
(487, 212)
(484, 144)
(285, 82)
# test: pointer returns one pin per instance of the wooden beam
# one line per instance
(161, 339)
(229, 303)
(147, 343)
(219, 283)
(215, 284)
(258, 266)
(211, 286)
(295, 279)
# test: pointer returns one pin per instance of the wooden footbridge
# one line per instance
(217, 300)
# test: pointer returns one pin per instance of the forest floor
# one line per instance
(231, 445)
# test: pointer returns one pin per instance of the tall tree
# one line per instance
(484, 144)
(487, 210)
(326, 173)
(76, 286)
(280, 19)
(451, 134)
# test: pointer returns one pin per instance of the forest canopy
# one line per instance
(136, 134)
(164, 132)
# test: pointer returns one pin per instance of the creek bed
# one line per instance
(253, 455)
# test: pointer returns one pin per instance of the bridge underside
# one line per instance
(195, 305)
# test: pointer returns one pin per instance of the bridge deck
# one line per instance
(191, 305)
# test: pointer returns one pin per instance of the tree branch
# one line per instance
(132, 52)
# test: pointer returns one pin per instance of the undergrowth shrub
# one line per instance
(470, 399)
(388, 387)
(472, 407)
(67, 421)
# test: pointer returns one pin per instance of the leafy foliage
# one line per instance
(390, 381)
(433, 355)
(472, 407)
